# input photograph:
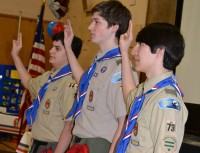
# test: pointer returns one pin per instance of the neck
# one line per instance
(156, 73)
(108, 45)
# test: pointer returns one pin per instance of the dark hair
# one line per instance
(165, 36)
(76, 42)
(115, 14)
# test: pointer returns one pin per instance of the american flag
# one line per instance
(36, 67)
(37, 62)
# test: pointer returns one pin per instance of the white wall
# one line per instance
(188, 72)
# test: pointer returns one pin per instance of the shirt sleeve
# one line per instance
(167, 123)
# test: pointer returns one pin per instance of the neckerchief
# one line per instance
(135, 109)
(84, 82)
(32, 110)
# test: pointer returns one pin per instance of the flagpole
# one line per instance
(19, 22)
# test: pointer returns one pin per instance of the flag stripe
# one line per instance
(37, 63)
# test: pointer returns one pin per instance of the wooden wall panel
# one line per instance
(8, 32)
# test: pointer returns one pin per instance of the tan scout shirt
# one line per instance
(103, 103)
(158, 129)
(55, 105)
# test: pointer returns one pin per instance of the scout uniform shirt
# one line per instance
(55, 105)
(161, 120)
(103, 104)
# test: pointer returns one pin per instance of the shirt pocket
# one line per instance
(51, 99)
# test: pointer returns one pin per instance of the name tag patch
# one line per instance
(134, 142)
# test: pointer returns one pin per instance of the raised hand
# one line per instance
(69, 34)
(17, 45)
(126, 39)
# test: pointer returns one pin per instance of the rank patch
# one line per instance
(169, 144)
(169, 103)
(117, 77)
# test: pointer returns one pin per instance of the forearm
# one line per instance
(65, 138)
(128, 82)
(75, 66)
(23, 73)
(117, 134)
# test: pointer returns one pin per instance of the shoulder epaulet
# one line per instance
(171, 91)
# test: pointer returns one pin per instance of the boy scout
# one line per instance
(99, 109)
(54, 86)
(157, 114)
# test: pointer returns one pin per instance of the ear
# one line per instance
(115, 28)
(160, 52)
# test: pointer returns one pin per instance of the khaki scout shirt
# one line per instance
(103, 104)
(55, 105)
(158, 129)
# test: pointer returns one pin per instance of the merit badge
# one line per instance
(171, 126)
(47, 104)
(134, 142)
(169, 144)
(103, 69)
(90, 96)
(117, 77)
(135, 130)
(95, 74)
(169, 103)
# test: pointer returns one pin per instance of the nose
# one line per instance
(51, 50)
(90, 26)
(134, 51)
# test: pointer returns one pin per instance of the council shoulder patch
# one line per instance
(169, 103)
(117, 77)
(169, 144)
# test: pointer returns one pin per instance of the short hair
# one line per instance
(115, 14)
(165, 36)
(76, 42)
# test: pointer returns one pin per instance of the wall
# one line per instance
(9, 10)
(188, 73)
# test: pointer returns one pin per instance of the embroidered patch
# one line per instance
(135, 142)
(95, 74)
(47, 104)
(117, 77)
(171, 126)
(103, 69)
(169, 103)
(90, 108)
(73, 85)
(46, 112)
(169, 144)
(135, 130)
(91, 96)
